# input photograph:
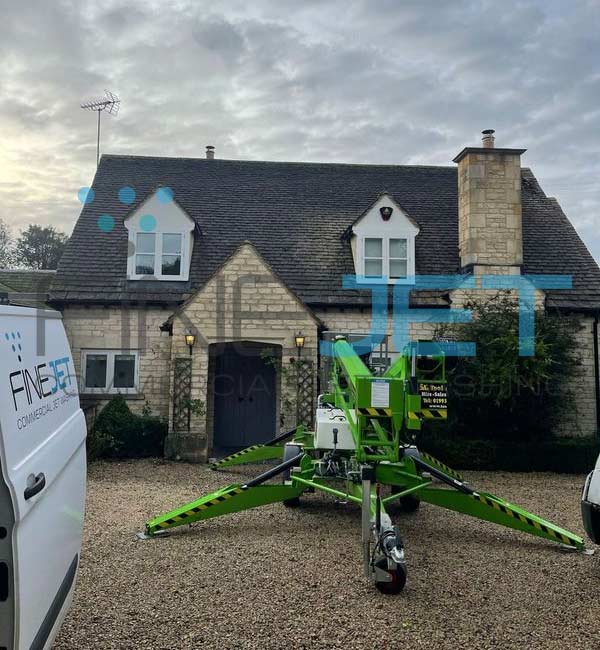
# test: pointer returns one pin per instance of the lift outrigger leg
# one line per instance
(482, 505)
(271, 450)
(230, 499)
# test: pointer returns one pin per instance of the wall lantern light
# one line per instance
(190, 339)
(299, 339)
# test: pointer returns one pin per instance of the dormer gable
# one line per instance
(160, 239)
(383, 243)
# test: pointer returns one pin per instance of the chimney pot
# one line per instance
(488, 138)
(210, 152)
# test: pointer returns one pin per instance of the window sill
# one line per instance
(389, 281)
(89, 397)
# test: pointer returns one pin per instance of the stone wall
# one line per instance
(243, 301)
(122, 329)
(582, 421)
(354, 321)
(246, 302)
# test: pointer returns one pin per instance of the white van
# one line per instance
(43, 477)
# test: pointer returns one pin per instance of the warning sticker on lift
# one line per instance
(380, 393)
(433, 396)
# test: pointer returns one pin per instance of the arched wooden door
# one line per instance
(245, 395)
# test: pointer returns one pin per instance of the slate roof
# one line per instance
(296, 215)
(26, 288)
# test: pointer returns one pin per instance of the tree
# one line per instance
(40, 247)
(499, 394)
(6, 246)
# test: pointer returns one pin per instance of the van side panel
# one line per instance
(52, 534)
(43, 449)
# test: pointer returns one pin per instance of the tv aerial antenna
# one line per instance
(110, 104)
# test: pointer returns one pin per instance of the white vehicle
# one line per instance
(590, 504)
(42, 480)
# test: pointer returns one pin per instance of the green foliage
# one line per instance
(565, 455)
(100, 445)
(289, 382)
(6, 246)
(498, 394)
(40, 247)
(119, 433)
(197, 407)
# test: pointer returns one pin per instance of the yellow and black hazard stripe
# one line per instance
(436, 463)
(222, 461)
(560, 537)
(375, 412)
(182, 516)
(428, 414)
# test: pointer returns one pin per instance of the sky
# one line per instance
(378, 81)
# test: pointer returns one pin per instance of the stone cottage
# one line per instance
(202, 287)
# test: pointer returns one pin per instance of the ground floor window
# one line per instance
(109, 371)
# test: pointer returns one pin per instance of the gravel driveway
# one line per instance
(277, 577)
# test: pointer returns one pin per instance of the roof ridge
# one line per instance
(274, 162)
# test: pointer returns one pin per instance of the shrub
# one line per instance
(565, 455)
(497, 393)
(119, 433)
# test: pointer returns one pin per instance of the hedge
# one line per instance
(119, 433)
(565, 455)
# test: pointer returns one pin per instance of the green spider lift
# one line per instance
(360, 451)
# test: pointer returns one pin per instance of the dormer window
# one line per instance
(385, 257)
(159, 254)
(160, 240)
(384, 243)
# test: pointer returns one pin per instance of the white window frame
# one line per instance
(410, 257)
(371, 258)
(158, 255)
(109, 389)
(397, 259)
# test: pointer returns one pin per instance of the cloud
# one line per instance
(375, 81)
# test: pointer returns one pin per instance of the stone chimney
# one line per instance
(490, 233)
(210, 152)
